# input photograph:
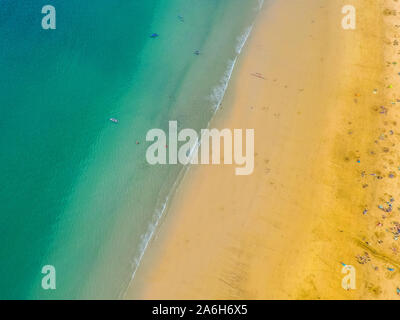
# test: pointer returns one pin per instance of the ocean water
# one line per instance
(76, 191)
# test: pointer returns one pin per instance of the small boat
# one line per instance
(114, 120)
(154, 35)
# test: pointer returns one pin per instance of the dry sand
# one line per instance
(283, 232)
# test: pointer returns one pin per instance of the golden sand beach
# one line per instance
(324, 192)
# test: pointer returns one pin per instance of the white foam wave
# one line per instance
(260, 4)
(218, 92)
(243, 39)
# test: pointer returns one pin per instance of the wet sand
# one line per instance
(320, 99)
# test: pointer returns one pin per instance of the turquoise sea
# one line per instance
(76, 191)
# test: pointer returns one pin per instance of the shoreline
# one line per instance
(153, 227)
(283, 232)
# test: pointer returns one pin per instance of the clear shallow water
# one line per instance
(76, 191)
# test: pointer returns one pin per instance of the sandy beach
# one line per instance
(322, 101)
